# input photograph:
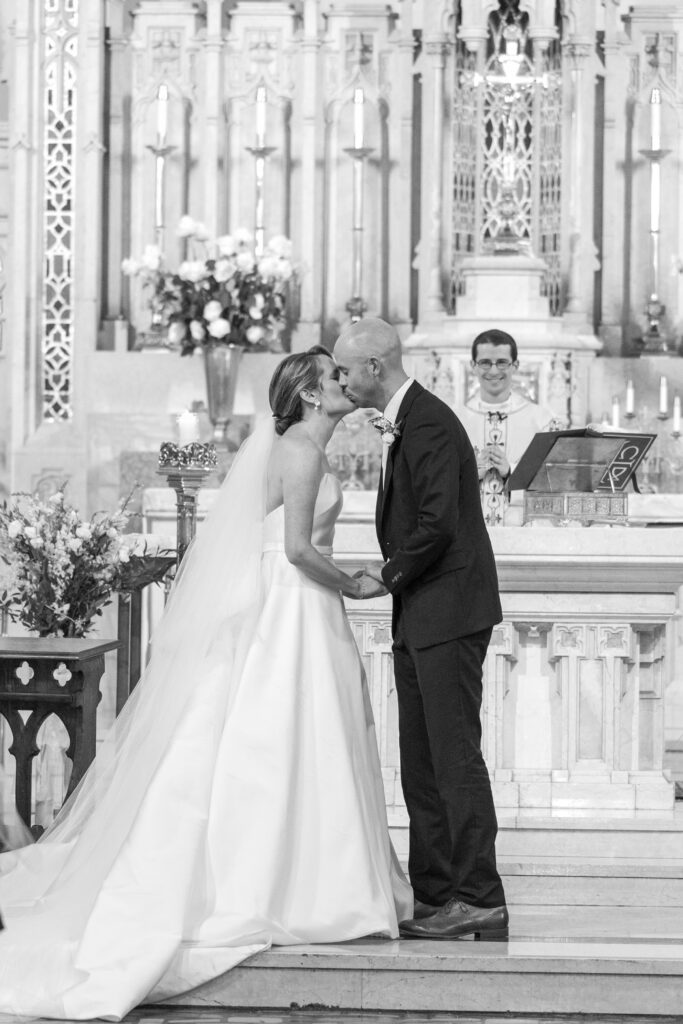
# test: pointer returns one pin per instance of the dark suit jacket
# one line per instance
(439, 567)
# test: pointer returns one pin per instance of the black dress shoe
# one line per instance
(458, 919)
(422, 910)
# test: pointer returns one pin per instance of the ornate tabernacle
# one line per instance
(579, 476)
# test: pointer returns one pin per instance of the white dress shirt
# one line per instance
(391, 412)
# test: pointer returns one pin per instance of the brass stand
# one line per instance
(186, 469)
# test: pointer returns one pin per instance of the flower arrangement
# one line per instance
(225, 293)
(61, 570)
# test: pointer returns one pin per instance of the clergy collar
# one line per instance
(513, 403)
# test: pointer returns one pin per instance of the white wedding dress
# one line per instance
(261, 822)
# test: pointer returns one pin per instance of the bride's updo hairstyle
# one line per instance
(296, 373)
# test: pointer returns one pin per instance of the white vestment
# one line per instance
(510, 425)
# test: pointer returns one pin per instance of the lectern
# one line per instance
(579, 476)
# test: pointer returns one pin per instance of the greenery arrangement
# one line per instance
(224, 294)
(61, 570)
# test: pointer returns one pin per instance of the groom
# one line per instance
(440, 571)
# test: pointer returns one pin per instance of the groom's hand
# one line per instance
(370, 585)
(374, 571)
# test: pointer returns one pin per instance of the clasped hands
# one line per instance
(492, 457)
(371, 582)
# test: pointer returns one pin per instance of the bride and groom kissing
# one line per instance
(238, 800)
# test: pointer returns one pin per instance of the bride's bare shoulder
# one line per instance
(295, 454)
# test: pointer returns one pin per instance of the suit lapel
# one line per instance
(411, 394)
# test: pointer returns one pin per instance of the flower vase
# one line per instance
(221, 364)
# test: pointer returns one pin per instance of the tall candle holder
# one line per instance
(186, 468)
(160, 150)
(260, 152)
(654, 341)
(356, 306)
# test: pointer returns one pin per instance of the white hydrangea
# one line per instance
(219, 328)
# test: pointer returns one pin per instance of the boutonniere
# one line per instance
(389, 431)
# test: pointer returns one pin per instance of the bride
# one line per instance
(238, 800)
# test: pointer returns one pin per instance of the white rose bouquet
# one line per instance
(61, 570)
(225, 294)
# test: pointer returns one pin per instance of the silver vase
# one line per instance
(221, 364)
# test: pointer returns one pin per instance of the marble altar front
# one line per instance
(576, 679)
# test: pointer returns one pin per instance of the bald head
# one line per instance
(372, 337)
(369, 357)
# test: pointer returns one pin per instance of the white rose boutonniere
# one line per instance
(389, 431)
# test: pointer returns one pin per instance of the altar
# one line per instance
(577, 673)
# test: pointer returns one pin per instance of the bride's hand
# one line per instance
(369, 586)
(373, 571)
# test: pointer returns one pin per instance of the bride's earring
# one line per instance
(316, 405)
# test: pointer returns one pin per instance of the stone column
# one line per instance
(400, 88)
(308, 243)
(430, 296)
(87, 169)
(614, 282)
(213, 212)
(578, 311)
(115, 327)
(23, 227)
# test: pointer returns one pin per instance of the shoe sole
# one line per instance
(485, 935)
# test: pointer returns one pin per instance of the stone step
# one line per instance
(588, 970)
(575, 883)
(649, 839)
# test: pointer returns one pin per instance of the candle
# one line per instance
(615, 412)
(630, 398)
(188, 427)
(358, 116)
(677, 415)
(655, 118)
(261, 116)
(162, 114)
(663, 396)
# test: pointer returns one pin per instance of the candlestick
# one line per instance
(630, 399)
(358, 118)
(653, 340)
(261, 116)
(162, 115)
(663, 398)
(676, 423)
(655, 118)
(615, 412)
(188, 428)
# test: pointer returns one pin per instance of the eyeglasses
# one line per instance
(500, 364)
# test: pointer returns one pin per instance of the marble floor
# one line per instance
(198, 1016)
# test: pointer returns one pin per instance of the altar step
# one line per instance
(603, 883)
(559, 961)
(596, 928)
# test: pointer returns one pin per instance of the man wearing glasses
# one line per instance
(500, 423)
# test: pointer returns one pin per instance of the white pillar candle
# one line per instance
(616, 412)
(188, 428)
(630, 398)
(261, 116)
(162, 115)
(663, 396)
(655, 119)
(676, 425)
(358, 118)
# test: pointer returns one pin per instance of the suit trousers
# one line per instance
(445, 781)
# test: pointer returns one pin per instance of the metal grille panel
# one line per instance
(59, 110)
